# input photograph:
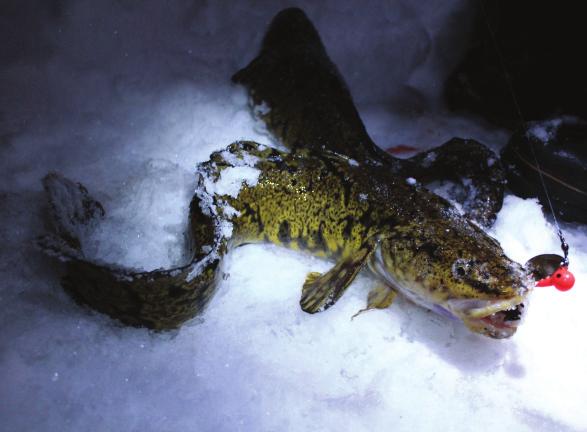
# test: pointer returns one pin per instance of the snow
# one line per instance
(154, 215)
(450, 191)
(127, 97)
(544, 131)
(261, 109)
(232, 180)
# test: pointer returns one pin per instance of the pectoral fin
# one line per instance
(321, 291)
(380, 297)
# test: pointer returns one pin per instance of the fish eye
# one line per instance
(462, 268)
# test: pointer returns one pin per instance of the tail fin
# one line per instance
(159, 299)
(300, 94)
(72, 212)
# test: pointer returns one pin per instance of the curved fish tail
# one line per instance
(159, 299)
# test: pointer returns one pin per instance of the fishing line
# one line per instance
(564, 244)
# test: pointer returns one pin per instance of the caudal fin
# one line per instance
(300, 94)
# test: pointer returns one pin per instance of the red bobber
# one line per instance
(562, 279)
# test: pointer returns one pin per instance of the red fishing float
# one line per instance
(562, 279)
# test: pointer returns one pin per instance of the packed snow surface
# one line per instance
(127, 97)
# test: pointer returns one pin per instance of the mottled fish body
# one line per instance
(364, 216)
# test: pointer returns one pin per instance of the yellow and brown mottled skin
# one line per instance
(331, 206)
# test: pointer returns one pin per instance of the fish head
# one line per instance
(457, 270)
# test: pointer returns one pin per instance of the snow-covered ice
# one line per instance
(545, 130)
(127, 97)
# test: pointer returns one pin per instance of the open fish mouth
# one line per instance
(504, 323)
(497, 319)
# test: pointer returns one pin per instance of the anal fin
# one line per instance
(380, 297)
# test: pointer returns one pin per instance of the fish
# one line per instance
(332, 193)
(363, 217)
